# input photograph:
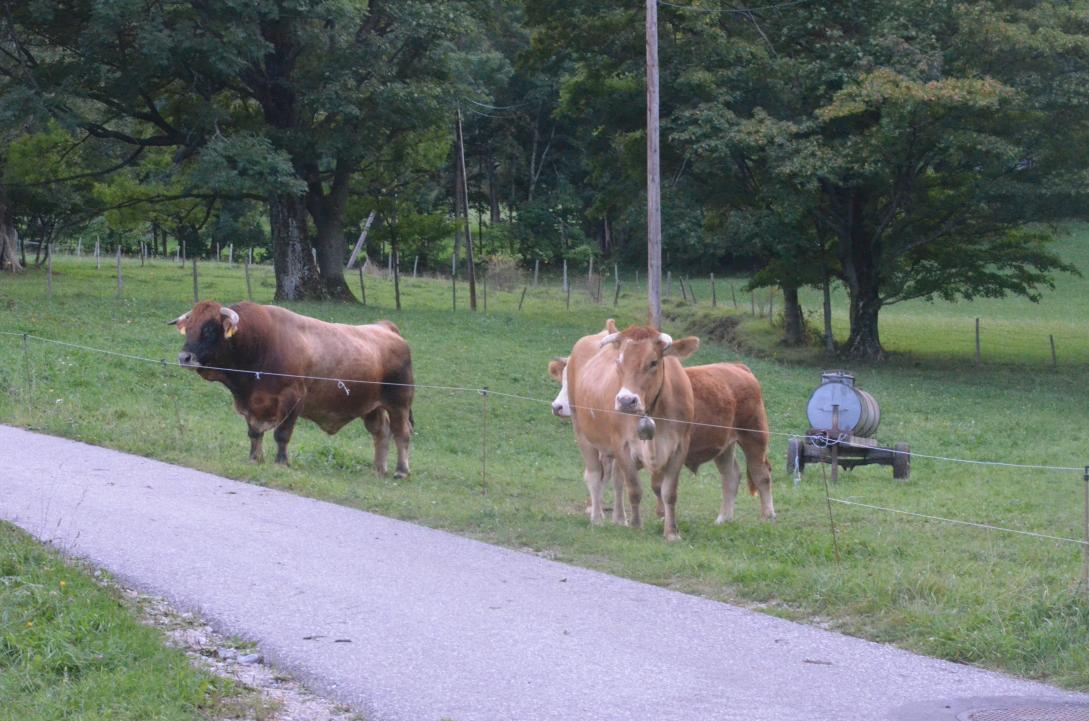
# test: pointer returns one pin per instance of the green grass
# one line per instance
(993, 599)
(71, 649)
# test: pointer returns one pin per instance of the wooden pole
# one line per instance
(485, 289)
(120, 287)
(98, 255)
(453, 292)
(536, 271)
(79, 248)
(691, 291)
(465, 207)
(733, 294)
(654, 188)
(752, 302)
(219, 253)
(1054, 358)
(978, 354)
(590, 276)
(49, 275)
(143, 253)
(249, 287)
(1085, 548)
(360, 241)
(415, 265)
(616, 274)
(523, 298)
(714, 295)
(566, 287)
(362, 286)
(196, 285)
(230, 255)
(616, 295)
(569, 297)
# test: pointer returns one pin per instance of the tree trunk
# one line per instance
(296, 275)
(330, 246)
(793, 320)
(9, 237)
(864, 342)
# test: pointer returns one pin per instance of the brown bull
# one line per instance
(634, 373)
(255, 350)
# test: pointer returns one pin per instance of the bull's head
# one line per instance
(641, 364)
(206, 329)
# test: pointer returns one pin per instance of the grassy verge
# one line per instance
(993, 599)
(71, 649)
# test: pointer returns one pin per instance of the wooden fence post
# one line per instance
(196, 287)
(714, 295)
(415, 264)
(120, 288)
(98, 255)
(536, 271)
(249, 287)
(616, 295)
(979, 360)
(523, 298)
(49, 275)
(1054, 358)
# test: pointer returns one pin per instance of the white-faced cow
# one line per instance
(255, 350)
(634, 373)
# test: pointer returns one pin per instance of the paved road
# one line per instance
(410, 624)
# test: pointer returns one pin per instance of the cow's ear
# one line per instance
(229, 329)
(555, 369)
(684, 347)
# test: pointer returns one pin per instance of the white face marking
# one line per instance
(562, 405)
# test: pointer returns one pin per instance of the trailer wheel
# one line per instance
(901, 462)
(795, 456)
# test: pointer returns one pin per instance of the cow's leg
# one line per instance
(593, 475)
(758, 470)
(256, 436)
(618, 491)
(401, 427)
(656, 486)
(730, 473)
(282, 434)
(377, 423)
(624, 466)
(671, 477)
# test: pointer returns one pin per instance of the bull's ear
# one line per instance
(684, 347)
(180, 322)
(610, 325)
(555, 369)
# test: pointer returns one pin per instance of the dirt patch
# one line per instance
(268, 694)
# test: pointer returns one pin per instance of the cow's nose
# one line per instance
(557, 409)
(627, 402)
(185, 358)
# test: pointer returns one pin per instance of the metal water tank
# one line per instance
(859, 413)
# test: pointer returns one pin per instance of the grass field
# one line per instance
(70, 649)
(984, 597)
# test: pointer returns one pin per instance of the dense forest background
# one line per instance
(903, 148)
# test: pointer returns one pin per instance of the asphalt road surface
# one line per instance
(411, 624)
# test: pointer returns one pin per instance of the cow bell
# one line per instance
(646, 428)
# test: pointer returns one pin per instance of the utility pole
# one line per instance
(465, 207)
(654, 188)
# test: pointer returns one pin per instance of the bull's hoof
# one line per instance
(400, 475)
(671, 537)
(282, 461)
(723, 519)
(769, 518)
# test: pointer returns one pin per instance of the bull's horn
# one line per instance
(666, 340)
(611, 338)
(231, 315)
(180, 319)
(610, 325)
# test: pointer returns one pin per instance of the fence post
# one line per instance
(536, 271)
(978, 357)
(98, 255)
(568, 296)
(362, 287)
(230, 255)
(733, 294)
(590, 276)
(249, 287)
(691, 291)
(218, 253)
(1085, 548)
(485, 284)
(566, 285)
(616, 295)
(714, 294)
(142, 254)
(196, 287)
(79, 248)
(120, 288)
(752, 301)
(616, 274)
(454, 291)
(49, 274)
(484, 441)
(523, 298)
(771, 305)
(415, 264)
(1054, 357)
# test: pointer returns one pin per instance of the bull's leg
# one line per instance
(624, 466)
(377, 423)
(758, 470)
(593, 475)
(656, 486)
(401, 427)
(256, 453)
(282, 434)
(728, 470)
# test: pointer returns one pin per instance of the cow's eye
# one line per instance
(653, 365)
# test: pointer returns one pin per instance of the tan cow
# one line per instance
(635, 373)
(730, 407)
(254, 350)
(728, 411)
